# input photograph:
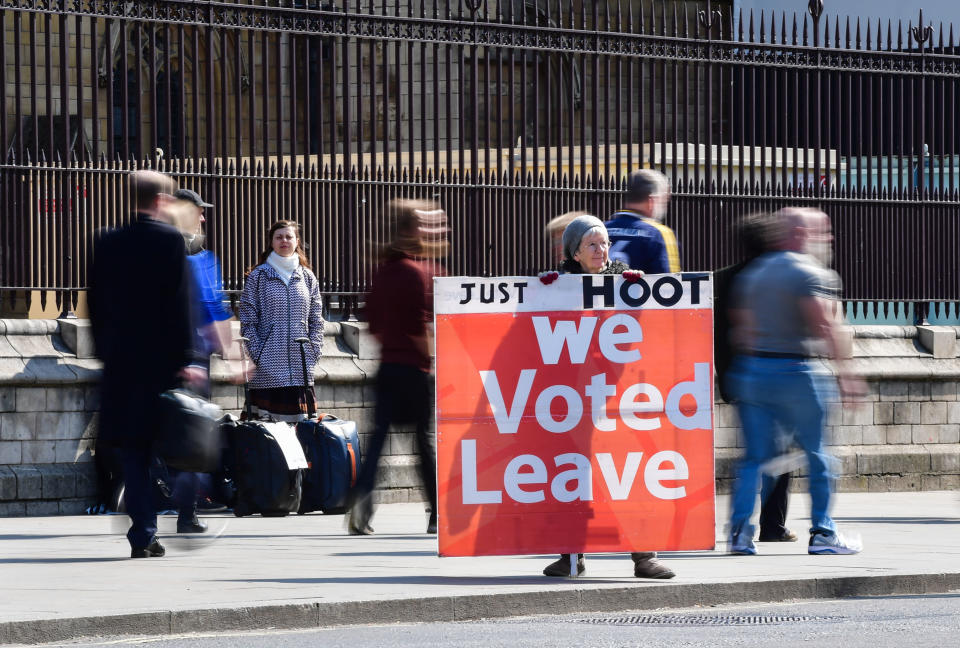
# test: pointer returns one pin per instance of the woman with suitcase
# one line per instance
(280, 303)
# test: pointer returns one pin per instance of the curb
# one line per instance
(469, 607)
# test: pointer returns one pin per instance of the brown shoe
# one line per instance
(561, 568)
(784, 536)
(650, 567)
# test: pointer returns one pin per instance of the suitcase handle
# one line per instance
(353, 464)
(303, 361)
(246, 376)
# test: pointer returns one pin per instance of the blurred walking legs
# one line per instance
(403, 395)
(138, 496)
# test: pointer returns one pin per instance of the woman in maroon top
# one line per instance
(400, 312)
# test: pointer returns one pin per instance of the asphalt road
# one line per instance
(874, 622)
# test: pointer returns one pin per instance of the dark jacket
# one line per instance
(643, 243)
(399, 307)
(139, 300)
(570, 266)
(723, 351)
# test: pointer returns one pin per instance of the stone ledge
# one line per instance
(37, 483)
(28, 326)
(884, 331)
(869, 460)
(49, 371)
(36, 354)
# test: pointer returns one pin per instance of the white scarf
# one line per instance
(285, 266)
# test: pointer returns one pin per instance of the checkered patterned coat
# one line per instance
(273, 315)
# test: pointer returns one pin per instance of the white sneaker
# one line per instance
(834, 543)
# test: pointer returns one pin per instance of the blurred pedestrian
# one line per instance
(280, 303)
(211, 314)
(400, 312)
(586, 251)
(639, 239)
(753, 231)
(554, 231)
(139, 300)
(638, 236)
(784, 324)
(211, 335)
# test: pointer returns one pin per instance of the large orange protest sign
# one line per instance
(575, 416)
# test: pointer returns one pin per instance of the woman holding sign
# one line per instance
(586, 248)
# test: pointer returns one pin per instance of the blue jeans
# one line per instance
(796, 395)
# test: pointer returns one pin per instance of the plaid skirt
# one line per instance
(289, 404)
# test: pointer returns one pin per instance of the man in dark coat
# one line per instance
(140, 311)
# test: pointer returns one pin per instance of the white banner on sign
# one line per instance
(686, 290)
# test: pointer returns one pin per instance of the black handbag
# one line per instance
(190, 438)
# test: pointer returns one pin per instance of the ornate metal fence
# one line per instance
(508, 112)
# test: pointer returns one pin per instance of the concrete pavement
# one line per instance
(68, 577)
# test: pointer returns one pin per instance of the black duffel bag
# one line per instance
(190, 439)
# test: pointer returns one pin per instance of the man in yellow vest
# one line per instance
(639, 239)
(638, 236)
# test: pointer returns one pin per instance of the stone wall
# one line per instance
(48, 400)
(905, 436)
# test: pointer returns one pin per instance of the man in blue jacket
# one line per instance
(639, 239)
(638, 236)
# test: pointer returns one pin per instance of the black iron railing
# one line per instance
(507, 112)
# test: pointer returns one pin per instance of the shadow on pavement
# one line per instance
(899, 520)
(60, 560)
(385, 553)
(315, 536)
(670, 555)
(49, 536)
(442, 580)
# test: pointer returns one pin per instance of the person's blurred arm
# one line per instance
(218, 335)
(822, 323)
(214, 326)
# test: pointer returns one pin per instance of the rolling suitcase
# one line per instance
(332, 448)
(266, 473)
(266, 464)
